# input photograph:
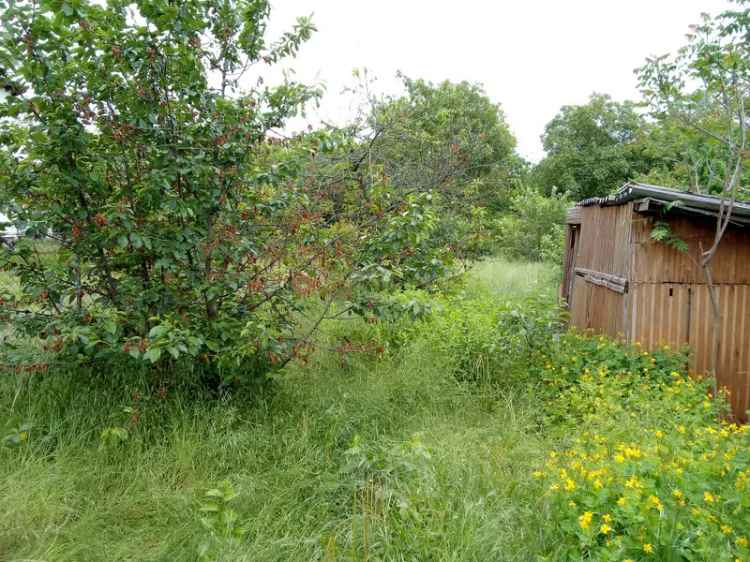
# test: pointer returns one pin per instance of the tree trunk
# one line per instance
(716, 335)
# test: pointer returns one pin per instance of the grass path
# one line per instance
(374, 460)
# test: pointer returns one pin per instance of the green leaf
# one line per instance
(153, 354)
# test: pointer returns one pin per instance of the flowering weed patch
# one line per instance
(645, 471)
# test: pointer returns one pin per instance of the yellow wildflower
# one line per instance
(708, 497)
(655, 502)
(632, 483)
(585, 520)
(570, 485)
(605, 529)
(648, 548)
(741, 541)
(621, 501)
(726, 529)
(633, 452)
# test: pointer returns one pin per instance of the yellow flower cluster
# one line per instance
(585, 520)
(683, 482)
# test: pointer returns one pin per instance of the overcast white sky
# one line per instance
(532, 56)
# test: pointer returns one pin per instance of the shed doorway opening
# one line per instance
(570, 261)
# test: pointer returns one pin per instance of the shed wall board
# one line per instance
(733, 370)
(605, 239)
(656, 262)
(660, 314)
(597, 308)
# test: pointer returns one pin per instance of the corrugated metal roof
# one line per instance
(682, 200)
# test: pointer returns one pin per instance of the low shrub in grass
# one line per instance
(478, 336)
(645, 470)
(386, 322)
(494, 341)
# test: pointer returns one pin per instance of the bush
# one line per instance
(534, 228)
(486, 340)
(653, 475)
(186, 238)
(152, 181)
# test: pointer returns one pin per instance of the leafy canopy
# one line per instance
(451, 140)
(593, 148)
(440, 136)
(180, 228)
(700, 94)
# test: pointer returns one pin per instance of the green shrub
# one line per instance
(575, 354)
(533, 229)
(493, 341)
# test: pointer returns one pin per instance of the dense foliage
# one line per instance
(178, 243)
(182, 229)
(592, 149)
(533, 229)
(451, 140)
(129, 150)
(447, 137)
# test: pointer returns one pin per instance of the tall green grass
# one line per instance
(506, 278)
(345, 458)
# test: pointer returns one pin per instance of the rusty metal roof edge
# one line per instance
(632, 190)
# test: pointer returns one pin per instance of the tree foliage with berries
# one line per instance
(182, 234)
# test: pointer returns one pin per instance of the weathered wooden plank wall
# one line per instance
(667, 302)
(680, 314)
(655, 262)
(605, 239)
(597, 308)
(734, 358)
(671, 303)
(659, 314)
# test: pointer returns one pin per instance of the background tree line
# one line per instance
(183, 230)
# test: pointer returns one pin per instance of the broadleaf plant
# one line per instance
(167, 221)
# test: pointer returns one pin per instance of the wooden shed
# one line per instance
(619, 281)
